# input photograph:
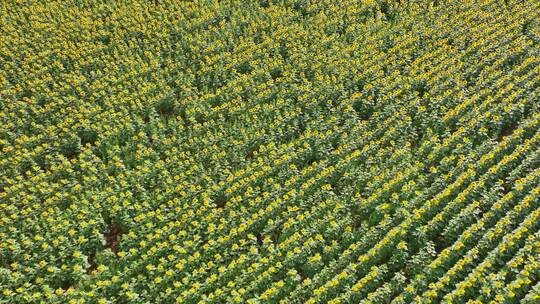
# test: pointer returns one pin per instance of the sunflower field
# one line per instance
(270, 151)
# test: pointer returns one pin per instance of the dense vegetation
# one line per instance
(272, 151)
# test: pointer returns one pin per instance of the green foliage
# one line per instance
(278, 151)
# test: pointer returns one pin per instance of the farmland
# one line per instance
(271, 151)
